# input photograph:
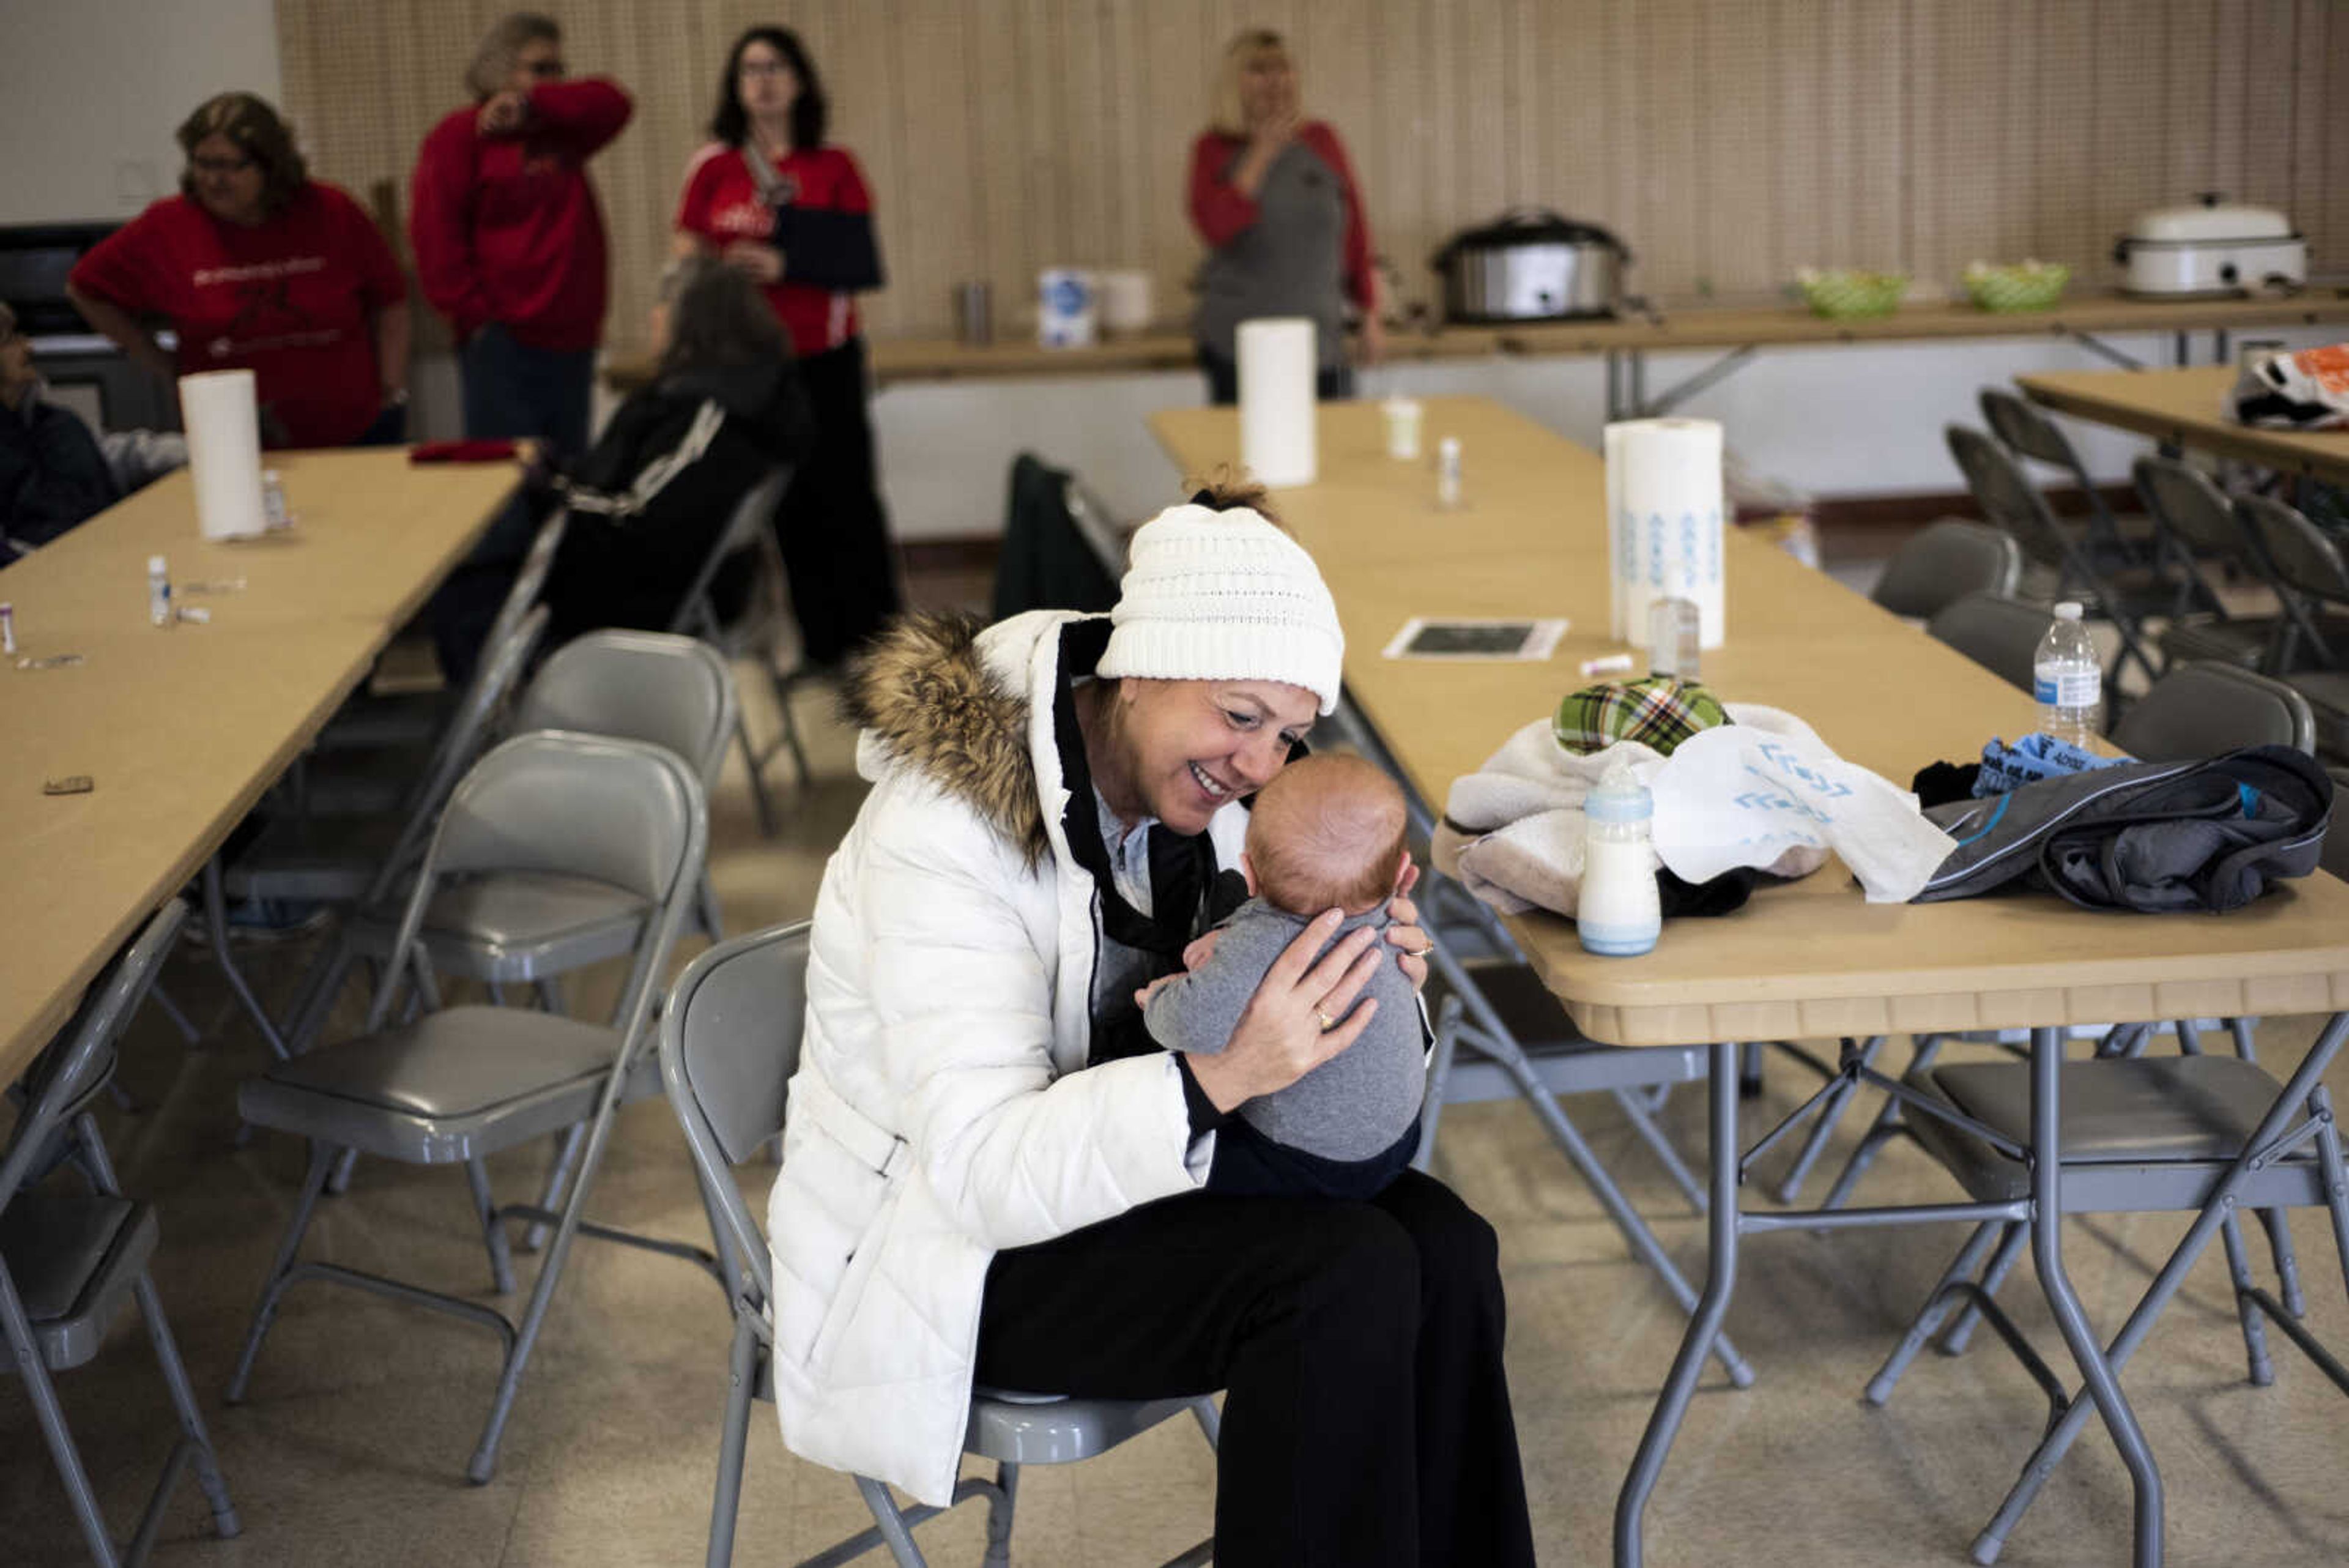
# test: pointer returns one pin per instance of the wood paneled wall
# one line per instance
(1728, 141)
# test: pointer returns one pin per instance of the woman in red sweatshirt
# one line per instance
(769, 197)
(1275, 198)
(508, 240)
(257, 266)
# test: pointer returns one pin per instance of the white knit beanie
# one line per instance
(1224, 596)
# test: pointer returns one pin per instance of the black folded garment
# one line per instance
(2206, 835)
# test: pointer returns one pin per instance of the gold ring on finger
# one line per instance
(1328, 1023)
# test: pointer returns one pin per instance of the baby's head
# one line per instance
(1326, 833)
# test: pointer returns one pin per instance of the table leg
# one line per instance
(216, 916)
(1704, 1325)
(2048, 1255)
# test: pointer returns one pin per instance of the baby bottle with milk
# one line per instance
(1617, 913)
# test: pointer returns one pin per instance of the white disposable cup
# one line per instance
(1402, 428)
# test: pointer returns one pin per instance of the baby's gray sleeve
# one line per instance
(1196, 1012)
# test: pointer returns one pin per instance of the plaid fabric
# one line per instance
(1658, 711)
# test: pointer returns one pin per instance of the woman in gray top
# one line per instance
(1276, 202)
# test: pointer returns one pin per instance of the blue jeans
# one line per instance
(516, 392)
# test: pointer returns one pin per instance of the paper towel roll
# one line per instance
(1664, 522)
(1277, 366)
(224, 426)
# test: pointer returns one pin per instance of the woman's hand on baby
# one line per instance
(1298, 1017)
(1404, 934)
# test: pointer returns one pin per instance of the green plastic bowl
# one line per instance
(2033, 285)
(1843, 294)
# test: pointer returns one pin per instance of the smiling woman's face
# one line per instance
(1189, 746)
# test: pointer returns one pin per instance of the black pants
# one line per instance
(834, 533)
(1366, 1419)
(1329, 385)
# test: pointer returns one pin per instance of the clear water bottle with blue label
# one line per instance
(2068, 681)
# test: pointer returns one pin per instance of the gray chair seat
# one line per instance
(2118, 1118)
(518, 925)
(1052, 1429)
(2238, 642)
(330, 859)
(73, 1257)
(454, 1085)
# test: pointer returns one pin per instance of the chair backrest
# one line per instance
(2303, 557)
(695, 613)
(2183, 503)
(729, 1043)
(2029, 432)
(2006, 495)
(1048, 560)
(460, 743)
(627, 812)
(2204, 708)
(1947, 561)
(77, 1062)
(655, 686)
(2000, 634)
(523, 593)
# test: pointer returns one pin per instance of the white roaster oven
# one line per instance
(2211, 246)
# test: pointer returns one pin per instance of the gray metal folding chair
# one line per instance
(460, 1084)
(376, 764)
(358, 860)
(532, 928)
(67, 1260)
(2311, 573)
(1944, 562)
(2192, 518)
(2000, 634)
(2193, 1134)
(730, 1041)
(762, 632)
(2030, 434)
(2010, 502)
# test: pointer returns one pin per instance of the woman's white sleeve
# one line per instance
(962, 1003)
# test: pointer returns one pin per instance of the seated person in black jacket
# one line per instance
(654, 494)
(53, 474)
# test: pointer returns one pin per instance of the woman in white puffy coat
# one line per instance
(991, 1174)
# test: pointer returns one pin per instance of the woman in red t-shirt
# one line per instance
(257, 266)
(767, 196)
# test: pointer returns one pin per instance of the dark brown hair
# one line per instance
(253, 127)
(811, 111)
(716, 316)
(1228, 488)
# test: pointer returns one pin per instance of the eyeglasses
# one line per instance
(220, 165)
(545, 70)
(764, 68)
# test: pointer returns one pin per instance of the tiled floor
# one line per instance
(351, 1448)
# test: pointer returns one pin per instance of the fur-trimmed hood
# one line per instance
(926, 694)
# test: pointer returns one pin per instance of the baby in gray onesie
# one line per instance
(1326, 833)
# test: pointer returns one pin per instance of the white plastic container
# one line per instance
(1404, 416)
(158, 591)
(1617, 913)
(1067, 308)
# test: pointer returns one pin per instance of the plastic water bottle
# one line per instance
(2068, 681)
